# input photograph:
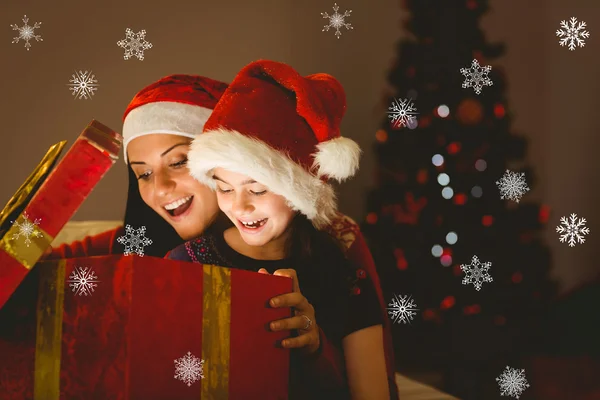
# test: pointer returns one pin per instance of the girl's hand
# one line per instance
(304, 320)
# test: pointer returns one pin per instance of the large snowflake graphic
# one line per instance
(134, 44)
(512, 382)
(83, 281)
(476, 273)
(512, 186)
(476, 76)
(27, 229)
(83, 85)
(402, 309)
(337, 21)
(134, 240)
(572, 35)
(572, 230)
(27, 32)
(402, 113)
(189, 369)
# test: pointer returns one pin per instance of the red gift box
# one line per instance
(54, 203)
(119, 337)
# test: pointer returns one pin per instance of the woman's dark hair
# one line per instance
(138, 213)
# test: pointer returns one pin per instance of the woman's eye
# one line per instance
(145, 176)
(258, 193)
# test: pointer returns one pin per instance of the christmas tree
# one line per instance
(443, 196)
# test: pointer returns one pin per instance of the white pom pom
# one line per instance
(337, 158)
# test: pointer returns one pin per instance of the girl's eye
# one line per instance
(223, 190)
(258, 193)
(180, 163)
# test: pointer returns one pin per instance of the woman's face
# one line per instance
(260, 215)
(159, 162)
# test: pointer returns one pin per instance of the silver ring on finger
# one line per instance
(308, 322)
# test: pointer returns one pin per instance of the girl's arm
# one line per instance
(365, 364)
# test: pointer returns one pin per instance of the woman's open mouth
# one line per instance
(179, 206)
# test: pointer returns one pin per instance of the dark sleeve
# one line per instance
(364, 307)
(179, 253)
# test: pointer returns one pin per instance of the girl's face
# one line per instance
(260, 215)
(159, 162)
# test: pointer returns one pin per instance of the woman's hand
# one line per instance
(304, 320)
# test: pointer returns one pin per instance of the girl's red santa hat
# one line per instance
(174, 105)
(283, 130)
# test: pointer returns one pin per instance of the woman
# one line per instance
(158, 124)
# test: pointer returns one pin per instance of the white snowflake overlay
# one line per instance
(512, 382)
(512, 186)
(572, 230)
(337, 21)
(402, 309)
(27, 229)
(83, 85)
(572, 35)
(476, 76)
(83, 281)
(402, 113)
(134, 240)
(27, 32)
(134, 44)
(189, 369)
(476, 273)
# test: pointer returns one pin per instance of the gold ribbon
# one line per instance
(49, 331)
(15, 244)
(216, 332)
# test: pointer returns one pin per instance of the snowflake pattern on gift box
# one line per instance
(402, 113)
(512, 382)
(337, 20)
(476, 273)
(512, 186)
(402, 309)
(572, 35)
(189, 369)
(134, 240)
(83, 85)
(573, 230)
(83, 281)
(134, 44)
(476, 76)
(27, 229)
(27, 32)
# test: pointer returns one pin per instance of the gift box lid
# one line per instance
(49, 197)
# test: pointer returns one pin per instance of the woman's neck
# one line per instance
(274, 250)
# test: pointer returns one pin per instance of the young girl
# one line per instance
(268, 149)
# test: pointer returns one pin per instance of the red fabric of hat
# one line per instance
(283, 130)
(175, 105)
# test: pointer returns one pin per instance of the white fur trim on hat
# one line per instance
(245, 155)
(337, 158)
(166, 117)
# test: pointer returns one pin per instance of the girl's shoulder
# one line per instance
(344, 229)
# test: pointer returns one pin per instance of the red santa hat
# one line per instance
(283, 130)
(174, 105)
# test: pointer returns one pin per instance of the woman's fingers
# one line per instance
(291, 273)
(294, 299)
(298, 341)
(263, 271)
(297, 322)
